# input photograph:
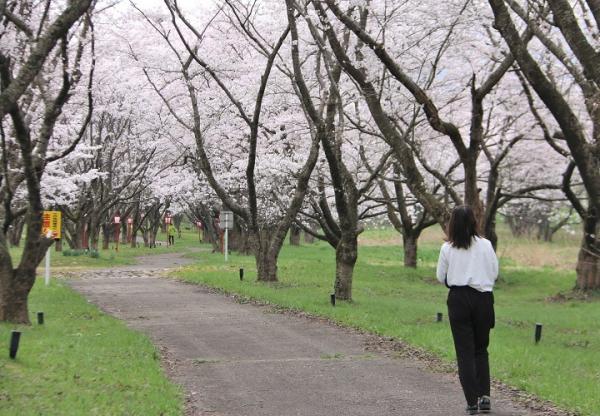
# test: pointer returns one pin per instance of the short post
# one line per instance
(439, 317)
(15, 337)
(40, 318)
(538, 332)
(129, 230)
(241, 274)
(332, 297)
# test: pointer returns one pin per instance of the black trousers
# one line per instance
(471, 315)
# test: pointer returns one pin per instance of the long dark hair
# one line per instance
(462, 227)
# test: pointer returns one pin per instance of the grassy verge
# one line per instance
(394, 301)
(81, 362)
(109, 258)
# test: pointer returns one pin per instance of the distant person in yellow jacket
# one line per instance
(171, 234)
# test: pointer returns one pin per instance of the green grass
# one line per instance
(394, 301)
(81, 362)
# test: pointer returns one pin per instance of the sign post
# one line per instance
(117, 229)
(51, 227)
(226, 223)
(47, 270)
(167, 225)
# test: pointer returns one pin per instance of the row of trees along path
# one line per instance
(295, 115)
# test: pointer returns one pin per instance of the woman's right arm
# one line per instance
(442, 266)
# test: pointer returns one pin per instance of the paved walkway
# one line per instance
(242, 360)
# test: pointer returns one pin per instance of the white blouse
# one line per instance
(476, 266)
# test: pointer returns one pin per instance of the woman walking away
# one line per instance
(468, 267)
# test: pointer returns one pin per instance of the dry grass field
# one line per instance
(560, 254)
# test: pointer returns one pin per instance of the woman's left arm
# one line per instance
(494, 261)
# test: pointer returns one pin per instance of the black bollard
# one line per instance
(40, 316)
(15, 336)
(332, 297)
(538, 332)
(241, 274)
(439, 317)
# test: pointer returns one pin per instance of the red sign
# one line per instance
(117, 220)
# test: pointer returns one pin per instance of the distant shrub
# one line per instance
(74, 253)
(95, 254)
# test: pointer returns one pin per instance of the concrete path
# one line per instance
(242, 360)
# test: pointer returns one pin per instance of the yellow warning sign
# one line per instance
(51, 224)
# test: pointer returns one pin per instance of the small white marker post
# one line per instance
(226, 242)
(47, 271)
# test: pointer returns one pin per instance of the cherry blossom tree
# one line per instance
(263, 143)
(40, 69)
(567, 45)
(438, 94)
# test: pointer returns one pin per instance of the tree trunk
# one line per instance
(588, 262)
(16, 283)
(588, 270)
(266, 256)
(346, 254)
(234, 239)
(105, 236)
(15, 232)
(295, 233)
(94, 239)
(134, 232)
(206, 239)
(15, 287)
(490, 231)
(152, 236)
(94, 231)
(245, 247)
(85, 238)
(79, 236)
(146, 238)
(212, 232)
(266, 266)
(544, 232)
(309, 238)
(410, 243)
(177, 220)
